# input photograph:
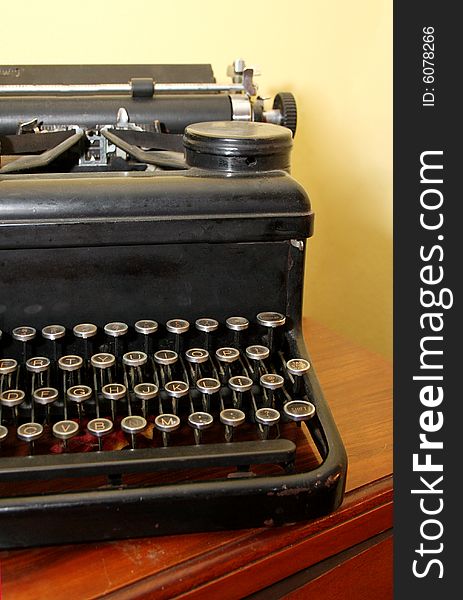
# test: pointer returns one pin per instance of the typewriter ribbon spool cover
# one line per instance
(153, 374)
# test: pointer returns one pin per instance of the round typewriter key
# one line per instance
(65, 430)
(231, 418)
(3, 433)
(206, 325)
(7, 366)
(85, 330)
(197, 355)
(30, 432)
(12, 398)
(240, 383)
(177, 326)
(166, 357)
(145, 392)
(132, 425)
(113, 392)
(53, 332)
(267, 417)
(200, 421)
(237, 323)
(299, 410)
(257, 353)
(146, 327)
(37, 364)
(79, 394)
(100, 427)
(208, 385)
(45, 395)
(166, 423)
(116, 329)
(23, 334)
(175, 390)
(227, 355)
(271, 381)
(135, 359)
(271, 319)
(71, 362)
(103, 360)
(298, 366)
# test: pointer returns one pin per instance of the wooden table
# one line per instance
(346, 555)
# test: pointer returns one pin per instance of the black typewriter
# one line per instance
(153, 375)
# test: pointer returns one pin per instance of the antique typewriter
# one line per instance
(153, 375)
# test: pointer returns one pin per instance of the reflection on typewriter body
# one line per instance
(153, 375)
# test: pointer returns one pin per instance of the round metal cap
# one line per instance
(240, 383)
(28, 432)
(227, 355)
(206, 324)
(271, 381)
(271, 319)
(167, 422)
(116, 329)
(53, 332)
(135, 359)
(103, 360)
(208, 385)
(114, 391)
(12, 398)
(79, 393)
(177, 389)
(146, 326)
(45, 395)
(257, 352)
(299, 410)
(232, 417)
(100, 427)
(298, 366)
(237, 146)
(37, 364)
(165, 357)
(146, 391)
(133, 424)
(64, 430)
(85, 330)
(267, 416)
(23, 334)
(71, 362)
(197, 355)
(200, 420)
(8, 365)
(3, 432)
(177, 326)
(237, 323)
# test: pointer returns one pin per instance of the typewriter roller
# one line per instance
(153, 375)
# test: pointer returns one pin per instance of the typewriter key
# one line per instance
(257, 354)
(24, 335)
(70, 362)
(299, 410)
(65, 430)
(239, 384)
(114, 392)
(297, 367)
(146, 327)
(12, 399)
(166, 423)
(175, 390)
(227, 355)
(8, 368)
(78, 394)
(200, 421)
(116, 331)
(30, 432)
(53, 333)
(177, 327)
(271, 382)
(39, 367)
(85, 331)
(197, 356)
(135, 359)
(3, 433)
(145, 392)
(166, 357)
(271, 320)
(231, 418)
(207, 386)
(267, 417)
(237, 325)
(45, 396)
(207, 326)
(132, 425)
(103, 360)
(99, 428)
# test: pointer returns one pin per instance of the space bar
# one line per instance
(280, 451)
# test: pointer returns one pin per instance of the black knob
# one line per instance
(285, 102)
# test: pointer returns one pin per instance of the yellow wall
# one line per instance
(335, 56)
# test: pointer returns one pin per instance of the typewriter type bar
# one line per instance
(152, 371)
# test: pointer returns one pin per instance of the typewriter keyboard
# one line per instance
(171, 396)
